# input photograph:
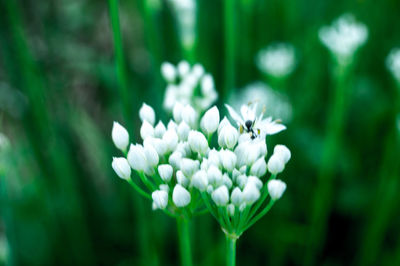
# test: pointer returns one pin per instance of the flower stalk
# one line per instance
(183, 227)
(230, 250)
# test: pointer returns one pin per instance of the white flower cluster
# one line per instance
(277, 60)
(185, 12)
(188, 86)
(344, 37)
(278, 103)
(232, 176)
(175, 162)
(393, 63)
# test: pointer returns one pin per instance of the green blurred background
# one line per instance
(60, 201)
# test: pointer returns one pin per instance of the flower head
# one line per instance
(344, 37)
(277, 60)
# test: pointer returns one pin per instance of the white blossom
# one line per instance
(275, 164)
(198, 142)
(121, 167)
(283, 152)
(277, 60)
(180, 196)
(120, 136)
(175, 159)
(220, 196)
(251, 193)
(393, 63)
(228, 159)
(228, 136)
(237, 196)
(165, 171)
(170, 138)
(168, 71)
(210, 121)
(200, 180)
(189, 166)
(146, 113)
(259, 168)
(183, 131)
(344, 37)
(276, 189)
(146, 130)
(182, 179)
(160, 199)
(137, 158)
(159, 130)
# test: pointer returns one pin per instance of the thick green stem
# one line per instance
(230, 250)
(184, 241)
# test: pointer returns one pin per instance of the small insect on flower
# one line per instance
(255, 126)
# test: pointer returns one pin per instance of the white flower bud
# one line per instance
(227, 181)
(183, 131)
(241, 181)
(172, 125)
(170, 139)
(237, 196)
(224, 122)
(235, 174)
(177, 112)
(182, 179)
(275, 164)
(137, 158)
(210, 189)
(228, 159)
(160, 199)
(170, 97)
(251, 193)
(121, 167)
(168, 72)
(175, 159)
(210, 121)
(199, 180)
(228, 137)
(276, 189)
(183, 68)
(180, 196)
(255, 180)
(158, 145)
(259, 168)
(214, 158)
(283, 152)
(198, 70)
(146, 113)
(189, 115)
(204, 164)
(120, 136)
(214, 175)
(220, 196)
(247, 153)
(164, 187)
(189, 166)
(231, 209)
(146, 130)
(198, 142)
(242, 206)
(165, 171)
(151, 155)
(159, 130)
(184, 148)
(207, 84)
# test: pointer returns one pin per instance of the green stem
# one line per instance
(138, 189)
(120, 63)
(230, 250)
(260, 215)
(184, 241)
(324, 190)
(229, 67)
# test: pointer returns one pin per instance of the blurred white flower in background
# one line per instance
(277, 60)
(344, 37)
(185, 12)
(188, 86)
(4, 142)
(276, 104)
(393, 63)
